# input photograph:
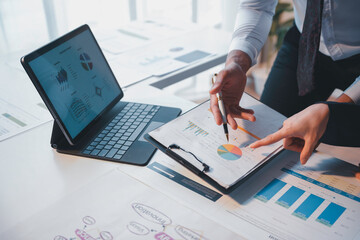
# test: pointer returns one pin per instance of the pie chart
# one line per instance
(229, 152)
(86, 62)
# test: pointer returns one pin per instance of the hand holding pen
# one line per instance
(221, 108)
(231, 83)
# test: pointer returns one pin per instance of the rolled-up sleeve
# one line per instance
(252, 26)
(354, 91)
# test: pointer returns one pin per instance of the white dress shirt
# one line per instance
(340, 30)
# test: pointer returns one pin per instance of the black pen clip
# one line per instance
(175, 146)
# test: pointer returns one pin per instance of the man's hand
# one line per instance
(301, 132)
(231, 82)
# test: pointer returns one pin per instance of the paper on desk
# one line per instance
(273, 202)
(14, 119)
(229, 162)
(140, 33)
(21, 107)
(161, 58)
(117, 206)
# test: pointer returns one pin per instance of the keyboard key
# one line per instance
(104, 132)
(115, 139)
(117, 145)
(120, 142)
(111, 153)
(95, 152)
(137, 132)
(102, 153)
(128, 143)
(121, 152)
(117, 156)
(111, 142)
(148, 108)
(124, 148)
(86, 152)
(108, 147)
(90, 148)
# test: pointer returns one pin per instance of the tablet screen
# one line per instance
(77, 80)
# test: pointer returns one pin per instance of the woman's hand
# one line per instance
(301, 132)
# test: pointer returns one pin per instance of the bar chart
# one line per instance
(306, 208)
(270, 190)
(198, 131)
(288, 199)
(331, 214)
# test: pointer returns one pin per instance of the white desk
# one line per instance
(34, 176)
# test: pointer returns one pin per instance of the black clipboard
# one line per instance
(198, 172)
(168, 151)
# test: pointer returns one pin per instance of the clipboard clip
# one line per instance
(175, 146)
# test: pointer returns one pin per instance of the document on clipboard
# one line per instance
(197, 142)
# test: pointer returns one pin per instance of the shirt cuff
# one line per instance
(354, 91)
(245, 46)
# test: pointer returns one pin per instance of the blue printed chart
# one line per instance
(290, 197)
(306, 208)
(270, 190)
(331, 214)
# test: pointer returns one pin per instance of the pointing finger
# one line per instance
(272, 138)
(307, 151)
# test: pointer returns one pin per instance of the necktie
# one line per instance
(308, 46)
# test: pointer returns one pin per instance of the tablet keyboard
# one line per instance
(117, 137)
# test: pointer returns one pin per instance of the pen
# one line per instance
(222, 108)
